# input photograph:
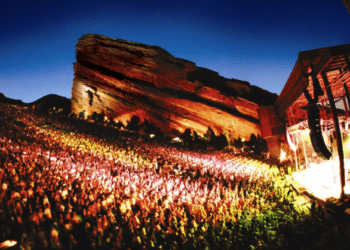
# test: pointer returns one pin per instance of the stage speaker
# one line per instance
(316, 132)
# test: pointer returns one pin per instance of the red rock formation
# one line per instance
(123, 78)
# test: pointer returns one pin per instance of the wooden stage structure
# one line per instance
(315, 98)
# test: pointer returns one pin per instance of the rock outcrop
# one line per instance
(123, 78)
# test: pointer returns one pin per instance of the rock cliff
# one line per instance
(123, 78)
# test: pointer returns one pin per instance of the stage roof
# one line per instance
(334, 61)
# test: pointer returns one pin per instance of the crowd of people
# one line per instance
(68, 185)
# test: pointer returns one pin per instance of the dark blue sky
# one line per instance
(257, 40)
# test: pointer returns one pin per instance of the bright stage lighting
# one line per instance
(283, 156)
(7, 244)
(322, 179)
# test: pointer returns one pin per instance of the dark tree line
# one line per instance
(190, 139)
(146, 127)
(255, 145)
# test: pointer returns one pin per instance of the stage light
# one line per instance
(7, 244)
(320, 179)
(283, 156)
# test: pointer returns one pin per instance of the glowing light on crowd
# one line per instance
(139, 179)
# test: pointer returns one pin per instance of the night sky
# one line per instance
(257, 41)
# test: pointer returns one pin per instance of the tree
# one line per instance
(210, 135)
(148, 127)
(261, 146)
(82, 115)
(228, 137)
(94, 116)
(133, 123)
(220, 142)
(72, 115)
(252, 143)
(238, 143)
(196, 138)
(101, 116)
(187, 137)
(111, 121)
(253, 140)
(120, 125)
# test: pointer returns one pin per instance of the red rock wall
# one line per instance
(123, 78)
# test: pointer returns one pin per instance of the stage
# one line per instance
(322, 179)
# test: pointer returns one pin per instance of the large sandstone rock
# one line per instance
(123, 78)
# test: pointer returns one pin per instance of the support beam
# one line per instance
(347, 97)
(338, 135)
(346, 107)
(296, 160)
(305, 155)
(299, 79)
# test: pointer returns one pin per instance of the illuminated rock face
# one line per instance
(123, 78)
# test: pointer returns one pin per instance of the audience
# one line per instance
(66, 184)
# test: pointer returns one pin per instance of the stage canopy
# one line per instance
(332, 61)
(311, 120)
